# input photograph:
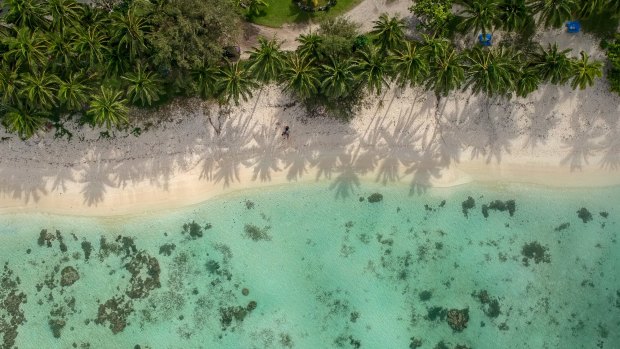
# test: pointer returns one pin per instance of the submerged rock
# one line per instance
(68, 276)
(376, 197)
(56, 325)
(584, 215)
(145, 272)
(458, 318)
(468, 205)
(115, 311)
(535, 251)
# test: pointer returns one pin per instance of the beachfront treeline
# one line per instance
(61, 57)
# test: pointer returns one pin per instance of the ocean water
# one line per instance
(298, 266)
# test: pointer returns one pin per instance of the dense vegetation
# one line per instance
(613, 54)
(61, 58)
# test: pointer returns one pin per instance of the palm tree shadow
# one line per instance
(13, 183)
(266, 159)
(611, 147)
(95, 176)
(347, 179)
(427, 166)
(399, 148)
(581, 145)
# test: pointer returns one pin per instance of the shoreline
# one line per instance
(558, 138)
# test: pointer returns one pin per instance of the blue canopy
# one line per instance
(573, 26)
(485, 40)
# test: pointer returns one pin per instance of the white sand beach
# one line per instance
(556, 137)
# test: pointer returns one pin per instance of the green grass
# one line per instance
(281, 12)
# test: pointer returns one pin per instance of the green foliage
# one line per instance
(24, 120)
(553, 13)
(337, 38)
(188, 33)
(388, 33)
(435, 15)
(613, 55)
(410, 65)
(266, 60)
(479, 16)
(584, 71)
(108, 108)
(492, 71)
(235, 83)
(515, 15)
(301, 76)
(551, 64)
(143, 87)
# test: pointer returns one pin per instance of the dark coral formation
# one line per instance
(68, 276)
(468, 205)
(45, 238)
(87, 247)
(61, 241)
(501, 206)
(166, 249)
(56, 325)
(458, 318)
(562, 226)
(11, 300)
(425, 295)
(490, 306)
(194, 229)
(115, 311)
(237, 313)
(436, 313)
(584, 215)
(415, 343)
(145, 272)
(604, 214)
(376, 197)
(255, 233)
(535, 251)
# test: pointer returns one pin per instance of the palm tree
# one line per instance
(39, 89)
(27, 13)
(584, 71)
(24, 120)
(91, 45)
(479, 15)
(388, 33)
(64, 13)
(589, 7)
(491, 71)
(266, 60)
(61, 48)
(28, 48)
(9, 84)
(128, 31)
(143, 86)
(553, 13)
(205, 81)
(372, 69)
(527, 82)
(109, 108)
(514, 15)
(446, 71)
(234, 83)
(337, 78)
(309, 45)
(73, 92)
(301, 76)
(410, 65)
(552, 65)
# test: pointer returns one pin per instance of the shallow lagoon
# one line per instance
(297, 267)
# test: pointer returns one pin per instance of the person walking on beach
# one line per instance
(285, 134)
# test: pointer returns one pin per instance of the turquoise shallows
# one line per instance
(323, 272)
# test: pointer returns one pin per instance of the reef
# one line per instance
(166, 249)
(425, 295)
(458, 318)
(56, 325)
(468, 205)
(87, 248)
(255, 233)
(11, 314)
(249, 204)
(61, 241)
(194, 230)
(604, 214)
(584, 215)
(68, 276)
(535, 251)
(237, 313)
(45, 238)
(376, 197)
(342, 341)
(501, 206)
(415, 343)
(562, 226)
(461, 346)
(141, 265)
(490, 306)
(115, 311)
(436, 313)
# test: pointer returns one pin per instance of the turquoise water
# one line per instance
(320, 271)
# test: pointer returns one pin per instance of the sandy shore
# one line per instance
(557, 137)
